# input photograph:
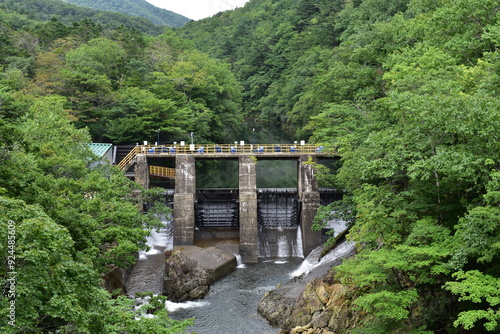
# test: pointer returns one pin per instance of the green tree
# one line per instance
(67, 225)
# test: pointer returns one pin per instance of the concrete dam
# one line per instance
(268, 222)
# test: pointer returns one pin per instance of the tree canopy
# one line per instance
(407, 91)
(140, 8)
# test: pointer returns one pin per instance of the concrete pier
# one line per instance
(142, 171)
(309, 195)
(249, 241)
(184, 197)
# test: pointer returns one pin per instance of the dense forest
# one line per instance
(407, 90)
(45, 10)
(140, 8)
(65, 226)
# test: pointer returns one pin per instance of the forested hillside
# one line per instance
(140, 8)
(45, 10)
(408, 92)
(64, 226)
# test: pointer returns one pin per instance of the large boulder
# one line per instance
(184, 278)
(324, 306)
(190, 270)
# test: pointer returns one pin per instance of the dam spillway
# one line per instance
(217, 208)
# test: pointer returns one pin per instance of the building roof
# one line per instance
(99, 149)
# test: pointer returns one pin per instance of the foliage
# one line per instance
(408, 93)
(477, 287)
(45, 10)
(136, 8)
(57, 289)
(63, 226)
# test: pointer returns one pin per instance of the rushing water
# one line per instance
(231, 305)
(342, 250)
(147, 272)
(280, 242)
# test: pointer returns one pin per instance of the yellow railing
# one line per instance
(162, 172)
(253, 149)
(128, 158)
(226, 149)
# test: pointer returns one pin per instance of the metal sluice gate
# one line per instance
(217, 208)
(276, 207)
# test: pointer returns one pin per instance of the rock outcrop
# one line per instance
(190, 270)
(115, 279)
(314, 304)
(325, 305)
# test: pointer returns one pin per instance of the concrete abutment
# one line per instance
(184, 197)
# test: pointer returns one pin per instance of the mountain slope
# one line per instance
(44, 10)
(135, 8)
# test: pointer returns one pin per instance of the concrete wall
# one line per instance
(184, 197)
(309, 196)
(249, 242)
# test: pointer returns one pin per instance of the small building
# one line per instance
(103, 151)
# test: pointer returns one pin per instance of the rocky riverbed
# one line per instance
(314, 302)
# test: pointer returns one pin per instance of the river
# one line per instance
(231, 305)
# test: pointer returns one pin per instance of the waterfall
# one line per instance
(299, 249)
(283, 249)
(158, 240)
(147, 273)
(280, 242)
(239, 261)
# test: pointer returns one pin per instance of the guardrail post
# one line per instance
(309, 195)
(249, 243)
(185, 189)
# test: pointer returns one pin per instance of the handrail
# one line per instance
(226, 149)
(162, 171)
(251, 149)
(128, 158)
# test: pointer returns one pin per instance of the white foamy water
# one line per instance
(172, 307)
(147, 273)
(158, 240)
(340, 251)
(337, 225)
(280, 242)
(239, 261)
